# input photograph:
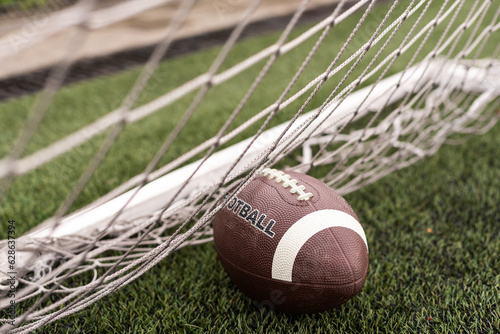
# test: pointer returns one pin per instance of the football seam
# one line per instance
(341, 250)
(288, 282)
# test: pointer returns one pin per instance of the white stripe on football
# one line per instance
(298, 234)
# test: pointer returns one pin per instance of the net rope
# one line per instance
(442, 91)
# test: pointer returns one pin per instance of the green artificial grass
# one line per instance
(432, 228)
(25, 5)
(78, 105)
(442, 280)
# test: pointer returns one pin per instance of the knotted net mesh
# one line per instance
(362, 91)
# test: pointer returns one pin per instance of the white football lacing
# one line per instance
(287, 182)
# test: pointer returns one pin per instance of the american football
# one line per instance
(292, 243)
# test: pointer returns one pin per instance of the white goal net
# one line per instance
(141, 161)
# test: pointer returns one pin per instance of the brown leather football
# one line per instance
(292, 243)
